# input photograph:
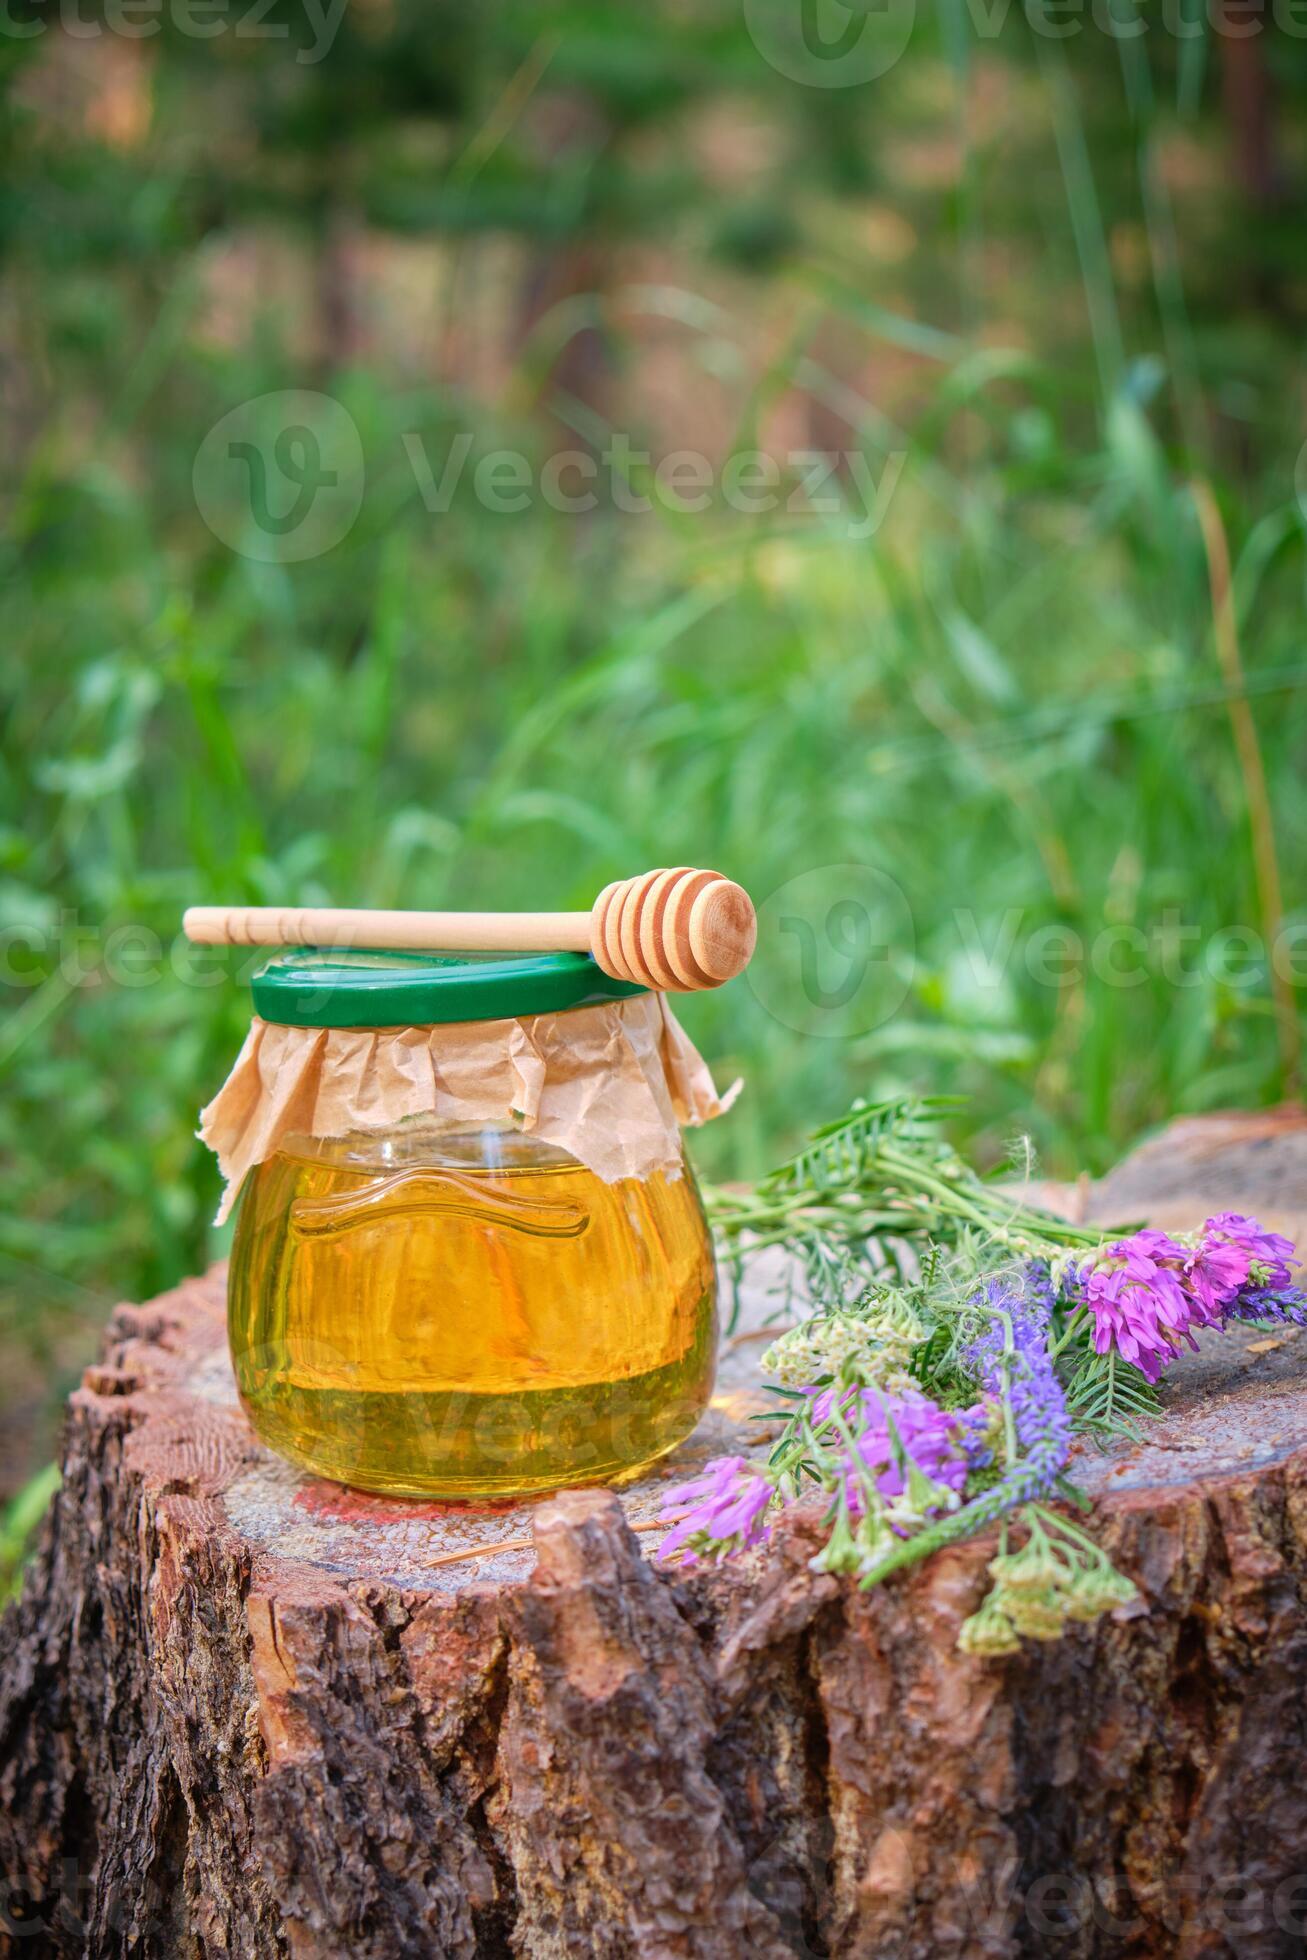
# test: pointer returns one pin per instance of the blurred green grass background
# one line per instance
(1057, 282)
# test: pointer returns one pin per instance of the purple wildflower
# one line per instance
(943, 1444)
(1214, 1272)
(727, 1501)
(1271, 1252)
(1268, 1291)
(1149, 1292)
(1140, 1304)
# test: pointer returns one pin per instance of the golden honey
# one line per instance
(468, 1314)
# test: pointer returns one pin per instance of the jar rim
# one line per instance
(360, 988)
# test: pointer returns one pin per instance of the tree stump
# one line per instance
(245, 1712)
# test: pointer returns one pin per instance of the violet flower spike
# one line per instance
(1286, 1304)
(1025, 1377)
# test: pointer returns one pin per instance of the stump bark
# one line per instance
(244, 1712)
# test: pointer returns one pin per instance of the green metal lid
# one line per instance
(359, 989)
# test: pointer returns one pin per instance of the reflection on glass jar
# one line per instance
(437, 1312)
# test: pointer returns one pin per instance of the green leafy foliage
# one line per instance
(880, 1190)
(1107, 1395)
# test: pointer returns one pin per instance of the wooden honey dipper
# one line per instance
(678, 931)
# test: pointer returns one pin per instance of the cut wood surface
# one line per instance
(247, 1712)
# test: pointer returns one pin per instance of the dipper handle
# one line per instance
(677, 931)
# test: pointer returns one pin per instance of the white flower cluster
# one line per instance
(871, 1344)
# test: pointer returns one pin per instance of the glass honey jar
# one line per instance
(446, 1305)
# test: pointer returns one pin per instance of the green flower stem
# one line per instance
(1039, 1226)
(926, 1198)
(1010, 1447)
(871, 1496)
(1072, 1531)
(1078, 1320)
(792, 1456)
(947, 1195)
(965, 1523)
(787, 1218)
(945, 1531)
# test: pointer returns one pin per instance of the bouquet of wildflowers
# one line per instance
(959, 1340)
